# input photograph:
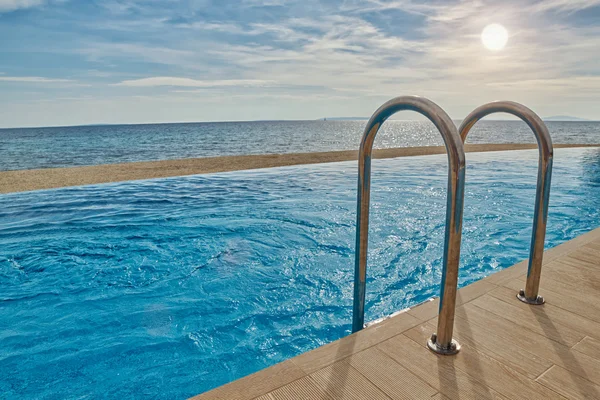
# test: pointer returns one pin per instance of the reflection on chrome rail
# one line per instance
(441, 341)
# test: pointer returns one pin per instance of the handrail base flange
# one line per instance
(432, 344)
(538, 301)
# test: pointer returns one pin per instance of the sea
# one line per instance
(52, 147)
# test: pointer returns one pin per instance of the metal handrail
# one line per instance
(536, 253)
(440, 342)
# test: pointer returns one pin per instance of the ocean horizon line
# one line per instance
(322, 119)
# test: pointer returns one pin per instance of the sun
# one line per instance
(494, 37)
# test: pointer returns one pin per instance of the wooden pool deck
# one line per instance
(510, 350)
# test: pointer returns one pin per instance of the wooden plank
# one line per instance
(496, 345)
(549, 314)
(438, 371)
(572, 276)
(489, 371)
(425, 311)
(255, 385)
(589, 346)
(587, 255)
(587, 268)
(393, 379)
(328, 354)
(302, 389)
(592, 248)
(570, 385)
(525, 319)
(543, 347)
(565, 296)
(264, 397)
(593, 245)
(573, 264)
(341, 381)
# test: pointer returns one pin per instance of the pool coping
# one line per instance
(258, 385)
(52, 178)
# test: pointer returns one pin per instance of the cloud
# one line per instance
(263, 3)
(33, 79)
(578, 84)
(187, 82)
(161, 55)
(12, 5)
(563, 5)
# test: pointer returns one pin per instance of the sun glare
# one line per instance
(494, 37)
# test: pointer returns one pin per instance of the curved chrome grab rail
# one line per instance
(440, 342)
(542, 195)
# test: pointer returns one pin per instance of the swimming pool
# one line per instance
(167, 288)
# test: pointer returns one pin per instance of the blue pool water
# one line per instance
(167, 288)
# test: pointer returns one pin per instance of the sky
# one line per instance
(68, 62)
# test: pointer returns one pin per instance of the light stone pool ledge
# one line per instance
(510, 350)
(51, 178)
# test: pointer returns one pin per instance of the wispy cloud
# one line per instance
(97, 51)
(579, 84)
(33, 79)
(187, 82)
(563, 5)
(12, 5)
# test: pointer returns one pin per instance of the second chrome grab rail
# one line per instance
(441, 342)
(542, 195)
